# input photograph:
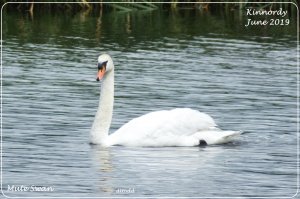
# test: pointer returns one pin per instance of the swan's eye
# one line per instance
(102, 65)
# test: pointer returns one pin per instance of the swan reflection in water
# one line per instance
(149, 170)
(102, 159)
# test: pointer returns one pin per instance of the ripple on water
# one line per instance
(49, 108)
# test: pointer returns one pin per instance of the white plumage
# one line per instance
(176, 127)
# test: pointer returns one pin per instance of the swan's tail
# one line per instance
(231, 135)
(217, 136)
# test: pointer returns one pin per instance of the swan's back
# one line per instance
(163, 128)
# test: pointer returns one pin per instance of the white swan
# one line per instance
(176, 127)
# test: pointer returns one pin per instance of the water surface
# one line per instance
(245, 79)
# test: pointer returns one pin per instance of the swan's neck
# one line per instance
(100, 128)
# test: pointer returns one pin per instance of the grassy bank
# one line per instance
(130, 5)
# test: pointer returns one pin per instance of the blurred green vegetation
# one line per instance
(130, 5)
(128, 23)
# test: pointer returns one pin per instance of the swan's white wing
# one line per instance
(176, 127)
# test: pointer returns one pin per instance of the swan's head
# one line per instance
(105, 65)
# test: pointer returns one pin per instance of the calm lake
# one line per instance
(245, 78)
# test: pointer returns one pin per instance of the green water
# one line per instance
(128, 28)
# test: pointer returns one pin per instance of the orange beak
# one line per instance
(100, 73)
